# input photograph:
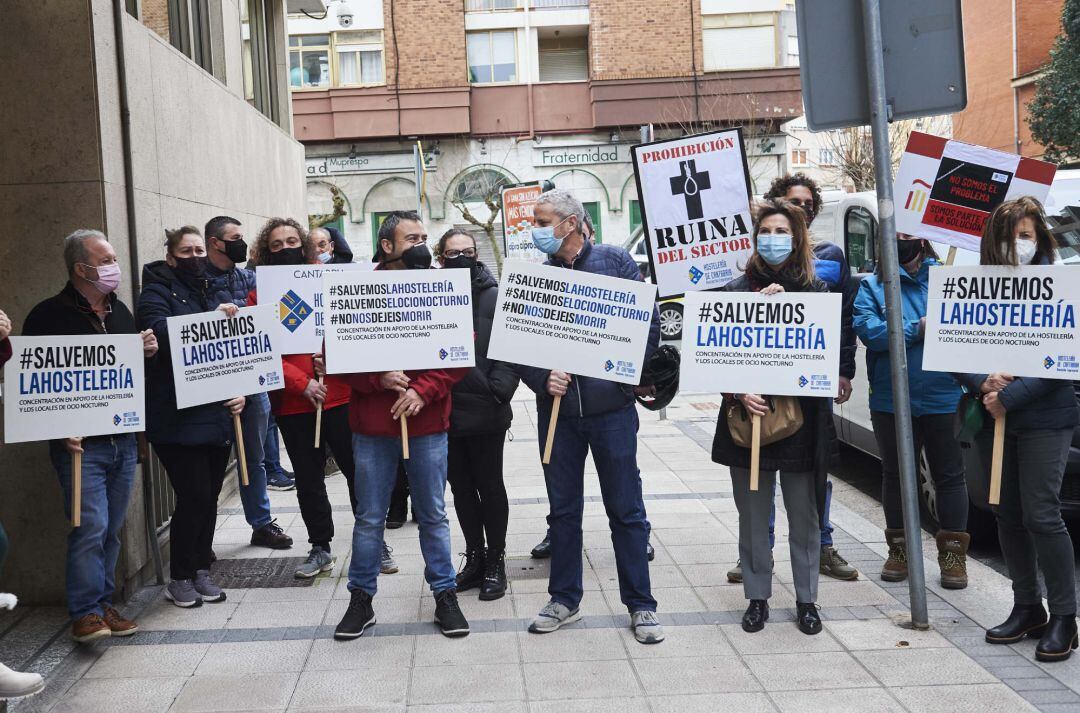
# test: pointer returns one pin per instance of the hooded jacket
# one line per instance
(342, 252)
(832, 268)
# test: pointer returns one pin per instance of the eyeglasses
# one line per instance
(467, 252)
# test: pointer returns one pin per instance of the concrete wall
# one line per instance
(199, 150)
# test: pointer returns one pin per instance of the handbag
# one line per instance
(785, 418)
(970, 417)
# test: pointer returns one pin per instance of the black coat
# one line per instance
(481, 401)
(69, 314)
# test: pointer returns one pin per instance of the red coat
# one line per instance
(369, 410)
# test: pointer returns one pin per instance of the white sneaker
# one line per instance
(646, 627)
(552, 617)
(14, 684)
(8, 601)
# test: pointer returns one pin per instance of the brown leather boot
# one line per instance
(90, 627)
(118, 624)
(895, 568)
(952, 558)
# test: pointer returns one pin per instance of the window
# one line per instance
(739, 41)
(800, 157)
(376, 223)
(490, 5)
(259, 29)
(564, 59)
(593, 209)
(793, 48)
(492, 56)
(359, 57)
(826, 157)
(189, 30)
(860, 230)
(635, 216)
(309, 61)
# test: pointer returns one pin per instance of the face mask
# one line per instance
(461, 261)
(809, 210)
(774, 248)
(1025, 251)
(108, 278)
(235, 250)
(545, 240)
(325, 258)
(286, 256)
(908, 250)
(191, 266)
(418, 257)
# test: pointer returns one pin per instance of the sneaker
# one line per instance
(387, 565)
(358, 617)
(118, 624)
(734, 575)
(552, 617)
(331, 467)
(646, 627)
(271, 535)
(15, 684)
(181, 592)
(543, 550)
(279, 481)
(90, 627)
(8, 601)
(318, 561)
(206, 588)
(448, 614)
(835, 566)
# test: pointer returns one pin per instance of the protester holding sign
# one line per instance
(1042, 415)
(88, 305)
(379, 400)
(782, 261)
(479, 421)
(193, 443)
(601, 416)
(283, 242)
(933, 395)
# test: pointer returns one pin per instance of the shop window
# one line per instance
(492, 56)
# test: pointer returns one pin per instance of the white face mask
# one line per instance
(1025, 251)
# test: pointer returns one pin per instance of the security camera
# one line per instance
(344, 14)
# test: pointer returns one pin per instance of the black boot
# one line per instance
(756, 615)
(494, 586)
(1058, 640)
(1024, 620)
(543, 550)
(471, 575)
(807, 618)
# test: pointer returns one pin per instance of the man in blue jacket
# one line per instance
(598, 415)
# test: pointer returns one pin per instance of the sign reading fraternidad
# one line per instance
(296, 291)
(748, 343)
(577, 322)
(217, 358)
(70, 387)
(946, 189)
(1017, 320)
(517, 212)
(389, 320)
(695, 199)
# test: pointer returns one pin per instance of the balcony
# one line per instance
(499, 5)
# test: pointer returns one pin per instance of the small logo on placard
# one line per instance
(803, 381)
(293, 310)
(695, 275)
(608, 365)
(117, 420)
(443, 354)
(1048, 363)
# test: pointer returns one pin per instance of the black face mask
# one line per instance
(908, 250)
(418, 257)
(286, 256)
(235, 250)
(191, 266)
(461, 261)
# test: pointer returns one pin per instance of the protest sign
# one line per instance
(695, 202)
(216, 358)
(947, 189)
(390, 320)
(517, 212)
(296, 293)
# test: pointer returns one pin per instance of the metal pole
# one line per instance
(890, 269)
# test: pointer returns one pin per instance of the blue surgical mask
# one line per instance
(544, 238)
(774, 248)
(325, 257)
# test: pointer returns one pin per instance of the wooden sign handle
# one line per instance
(318, 419)
(241, 452)
(755, 450)
(551, 429)
(404, 437)
(76, 489)
(951, 257)
(996, 461)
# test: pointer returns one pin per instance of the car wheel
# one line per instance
(671, 321)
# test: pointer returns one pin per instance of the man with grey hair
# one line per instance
(600, 416)
(88, 305)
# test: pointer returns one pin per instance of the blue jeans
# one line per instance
(826, 526)
(108, 474)
(253, 496)
(613, 439)
(376, 461)
(272, 448)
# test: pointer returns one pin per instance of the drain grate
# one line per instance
(527, 568)
(271, 573)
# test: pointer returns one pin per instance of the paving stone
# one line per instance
(883, 634)
(809, 671)
(148, 661)
(865, 700)
(269, 691)
(682, 641)
(592, 705)
(363, 653)
(451, 684)
(700, 674)
(473, 649)
(579, 680)
(255, 657)
(986, 698)
(571, 645)
(101, 695)
(321, 690)
(713, 702)
(923, 667)
(778, 638)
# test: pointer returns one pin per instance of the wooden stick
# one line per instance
(76, 489)
(551, 429)
(404, 437)
(755, 450)
(241, 452)
(995, 463)
(318, 419)
(951, 256)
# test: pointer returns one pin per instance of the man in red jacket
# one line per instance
(378, 401)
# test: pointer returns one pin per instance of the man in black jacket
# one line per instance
(88, 305)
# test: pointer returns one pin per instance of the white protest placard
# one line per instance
(517, 212)
(69, 387)
(390, 320)
(946, 189)
(1017, 320)
(216, 358)
(695, 208)
(296, 293)
(748, 343)
(577, 322)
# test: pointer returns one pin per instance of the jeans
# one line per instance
(253, 496)
(376, 459)
(934, 433)
(612, 437)
(475, 471)
(108, 475)
(272, 448)
(825, 525)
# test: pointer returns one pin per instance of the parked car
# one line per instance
(671, 310)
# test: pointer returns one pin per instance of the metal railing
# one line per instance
(557, 4)
(491, 5)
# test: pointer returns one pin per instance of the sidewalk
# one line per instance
(270, 649)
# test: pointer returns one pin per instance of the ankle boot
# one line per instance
(472, 574)
(1024, 620)
(952, 550)
(1059, 639)
(494, 586)
(895, 567)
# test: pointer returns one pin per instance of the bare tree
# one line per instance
(338, 198)
(853, 148)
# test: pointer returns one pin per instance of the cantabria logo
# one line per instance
(917, 195)
(293, 310)
(1048, 363)
(443, 354)
(608, 366)
(802, 381)
(117, 420)
(695, 275)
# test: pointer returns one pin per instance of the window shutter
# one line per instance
(564, 65)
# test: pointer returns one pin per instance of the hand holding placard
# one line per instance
(757, 406)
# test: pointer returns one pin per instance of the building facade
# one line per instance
(509, 91)
(209, 132)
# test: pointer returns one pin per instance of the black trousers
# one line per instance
(475, 471)
(309, 466)
(196, 474)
